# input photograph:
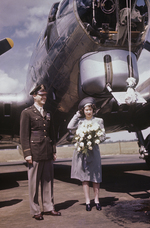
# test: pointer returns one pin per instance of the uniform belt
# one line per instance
(39, 133)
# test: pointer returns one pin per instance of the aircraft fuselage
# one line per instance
(107, 37)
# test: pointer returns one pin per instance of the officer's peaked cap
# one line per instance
(40, 89)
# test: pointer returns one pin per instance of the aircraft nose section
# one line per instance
(97, 69)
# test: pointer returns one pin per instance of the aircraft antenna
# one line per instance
(131, 95)
(93, 19)
(129, 35)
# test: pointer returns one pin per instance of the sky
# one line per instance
(22, 21)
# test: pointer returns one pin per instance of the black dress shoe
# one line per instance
(98, 207)
(88, 207)
(38, 217)
(54, 213)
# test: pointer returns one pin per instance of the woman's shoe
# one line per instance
(98, 207)
(88, 207)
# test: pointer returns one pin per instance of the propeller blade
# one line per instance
(5, 45)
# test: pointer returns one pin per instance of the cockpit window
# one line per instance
(63, 7)
(53, 11)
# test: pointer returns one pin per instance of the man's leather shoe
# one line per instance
(38, 217)
(98, 207)
(54, 213)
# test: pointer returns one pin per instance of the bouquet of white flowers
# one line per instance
(87, 135)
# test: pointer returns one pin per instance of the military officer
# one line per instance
(38, 143)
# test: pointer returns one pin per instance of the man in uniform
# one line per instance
(38, 143)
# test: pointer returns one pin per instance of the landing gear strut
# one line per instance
(144, 147)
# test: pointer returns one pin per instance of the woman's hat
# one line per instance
(86, 101)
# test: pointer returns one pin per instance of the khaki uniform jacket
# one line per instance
(37, 134)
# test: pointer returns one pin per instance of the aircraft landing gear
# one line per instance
(144, 147)
(147, 146)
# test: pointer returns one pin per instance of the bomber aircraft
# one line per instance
(89, 48)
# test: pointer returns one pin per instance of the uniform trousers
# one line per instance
(40, 172)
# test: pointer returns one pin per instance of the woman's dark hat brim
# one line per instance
(86, 100)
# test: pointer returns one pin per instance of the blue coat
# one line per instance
(86, 167)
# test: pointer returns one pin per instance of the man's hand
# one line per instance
(29, 159)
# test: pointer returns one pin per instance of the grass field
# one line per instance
(64, 152)
(105, 149)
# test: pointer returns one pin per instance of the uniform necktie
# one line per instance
(41, 111)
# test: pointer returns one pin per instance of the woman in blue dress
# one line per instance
(86, 161)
